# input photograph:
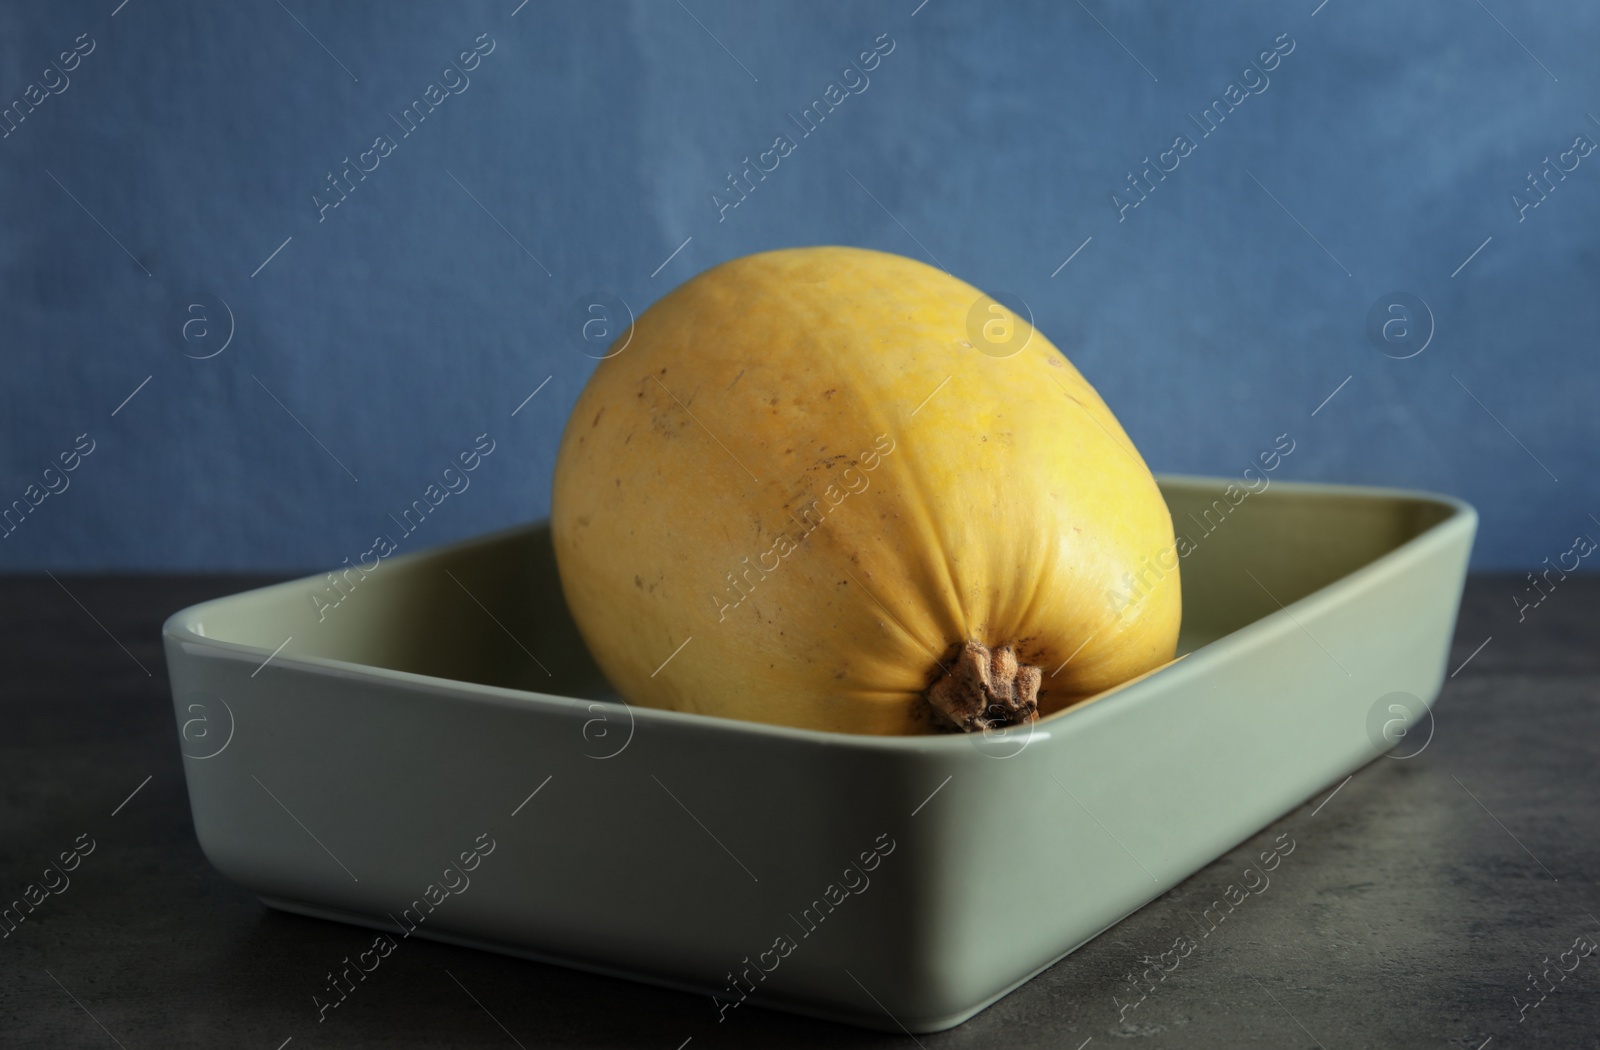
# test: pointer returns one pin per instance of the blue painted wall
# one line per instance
(182, 145)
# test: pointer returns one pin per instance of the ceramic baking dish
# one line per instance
(437, 752)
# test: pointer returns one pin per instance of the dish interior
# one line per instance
(490, 610)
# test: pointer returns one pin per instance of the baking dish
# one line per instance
(436, 755)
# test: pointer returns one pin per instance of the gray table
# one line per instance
(1419, 896)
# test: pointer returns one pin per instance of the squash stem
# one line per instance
(984, 689)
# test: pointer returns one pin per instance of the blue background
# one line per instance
(408, 321)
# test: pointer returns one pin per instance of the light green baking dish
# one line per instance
(438, 756)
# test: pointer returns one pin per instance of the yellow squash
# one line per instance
(823, 487)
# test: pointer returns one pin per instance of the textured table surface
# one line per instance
(1424, 899)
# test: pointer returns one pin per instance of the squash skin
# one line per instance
(1009, 507)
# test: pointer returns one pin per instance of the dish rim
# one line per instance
(179, 629)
